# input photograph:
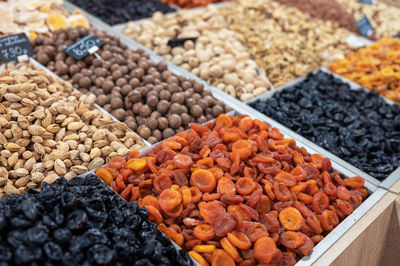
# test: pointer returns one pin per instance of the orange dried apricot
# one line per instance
(226, 186)
(196, 194)
(298, 173)
(169, 199)
(183, 161)
(285, 178)
(224, 223)
(204, 232)
(291, 219)
(105, 175)
(197, 257)
(264, 249)
(204, 248)
(222, 258)
(329, 220)
(151, 201)
(136, 164)
(117, 162)
(154, 214)
(308, 245)
(320, 202)
(209, 211)
(239, 240)
(186, 195)
(245, 185)
(291, 239)
(203, 179)
(354, 182)
(230, 249)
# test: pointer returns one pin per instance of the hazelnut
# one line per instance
(174, 121)
(152, 101)
(119, 114)
(155, 114)
(196, 110)
(145, 111)
(85, 82)
(157, 134)
(144, 132)
(101, 100)
(178, 97)
(152, 123)
(165, 95)
(135, 96)
(162, 123)
(116, 103)
(163, 107)
(152, 140)
(175, 108)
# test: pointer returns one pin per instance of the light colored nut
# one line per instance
(96, 163)
(22, 182)
(59, 167)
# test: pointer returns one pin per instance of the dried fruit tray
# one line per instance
(390, 180)
(375, 195)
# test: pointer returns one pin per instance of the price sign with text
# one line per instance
(85, 46)
(13, 46)
(180, 42)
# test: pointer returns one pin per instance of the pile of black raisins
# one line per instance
(120, 11)
(81, 222)
(358, 126)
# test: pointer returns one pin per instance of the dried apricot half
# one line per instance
(204, 232)
(169, 199)
(329, 220)
(203, 179)
(291, 219)
(239, 240)
(264, 249)
(291, 239)
(221, 258)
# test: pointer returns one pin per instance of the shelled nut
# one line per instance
(47, 130)
(216, 56)
(284, 41)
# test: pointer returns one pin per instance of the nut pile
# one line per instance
(325, 10)
(217, 56)
(193, 3)
(286, 42)
(384, 19)
(119, 11)
(47, 131)
(358, 126)
(375, 67)
(146, 96)
(236, 192)
(36, 16)
(80, 222)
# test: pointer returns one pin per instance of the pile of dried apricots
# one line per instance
(235, 191)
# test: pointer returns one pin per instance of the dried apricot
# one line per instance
(320, 202)
(197, 257)
(226, 186)
(354, 182)
(154, 215)
(186, 195)
(204, 248)
(245, 185)
(136, 164)
(209, 211)
(298, 173)
(285, 179)
(344, 206)
(264, 249)
(151, 201)
(105, 175)
(169, 199)
(308, 245)
(291, 239)
(222, 258)
(224, 223)
(203, 179)
(117, 162)
(196, 194)
(329, 220)
(204, 232)
(270, 222)
(183, 161)
(239, 240)
(291, 219)
(263, 205)
(230, 249)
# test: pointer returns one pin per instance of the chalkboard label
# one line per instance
(180, 42)
(369, 2)
(365, 27)
(85, 46)
(13, 46)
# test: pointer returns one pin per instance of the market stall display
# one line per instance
(375, 67)
(354, 124)
(36, 16)
(47, 130)
(199, 159)
(285, 42)
(146, 96)
(235, 190)
(120, 11)
(215, 54)
(80, 222)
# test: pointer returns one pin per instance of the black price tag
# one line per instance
(180, 41)
(13, 46)
(85, 46)
(365, 27)
(369, 2)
